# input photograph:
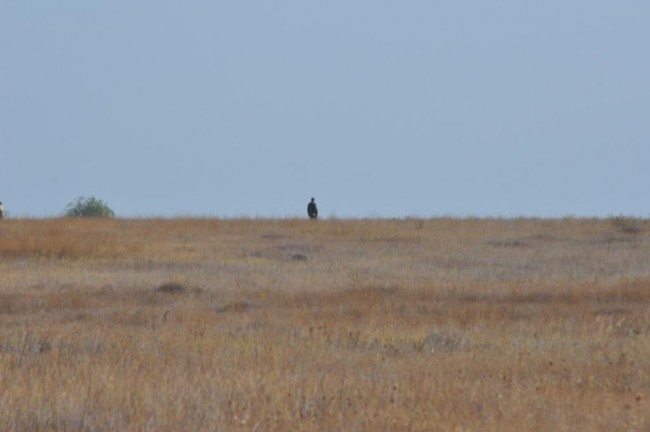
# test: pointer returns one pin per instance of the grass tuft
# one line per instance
(171, 288)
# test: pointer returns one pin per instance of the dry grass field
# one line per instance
(336, 325)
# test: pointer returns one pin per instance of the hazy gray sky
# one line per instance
(376, 108)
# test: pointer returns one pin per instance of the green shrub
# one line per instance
(88, 207)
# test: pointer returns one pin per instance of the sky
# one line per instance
(376, 108)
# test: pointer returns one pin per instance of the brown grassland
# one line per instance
(350, 325)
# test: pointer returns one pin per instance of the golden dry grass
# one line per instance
(290, 325)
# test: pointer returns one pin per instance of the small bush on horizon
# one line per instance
(88, 207)
(626, 224)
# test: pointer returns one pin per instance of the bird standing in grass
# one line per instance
(312, 210)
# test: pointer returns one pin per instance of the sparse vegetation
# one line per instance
(626, 224)
(442, 324)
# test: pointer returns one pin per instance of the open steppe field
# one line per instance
(337, 325)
